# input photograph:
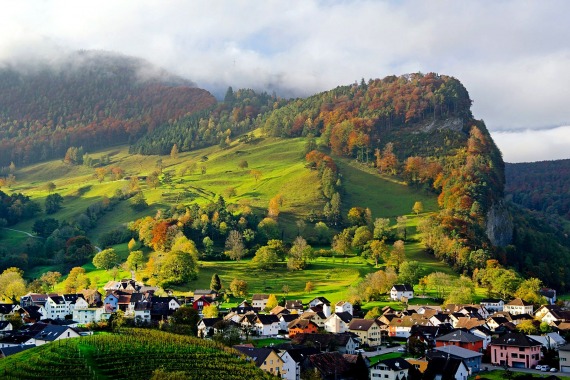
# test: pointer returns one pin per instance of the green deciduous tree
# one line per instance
(177, 268)
(106, 259)
(135, 261)
(410, 272)
(299, 254)
(265, 258)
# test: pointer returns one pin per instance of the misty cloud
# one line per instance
(533, 145)
(512, 56)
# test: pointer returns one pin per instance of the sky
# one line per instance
(512, 56)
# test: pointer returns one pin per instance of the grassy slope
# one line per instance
(283, 167)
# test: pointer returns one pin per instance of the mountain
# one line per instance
(89, 98)
(416, 129)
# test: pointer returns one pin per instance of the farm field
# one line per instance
(133, 354)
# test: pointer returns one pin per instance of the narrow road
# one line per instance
(39, 237)
(23, 232)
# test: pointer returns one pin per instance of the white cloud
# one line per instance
(512, 56)
(534, 145)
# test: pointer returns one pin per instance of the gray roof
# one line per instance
(459, 336)
(458, 352)
(7, 351)
(51, 332)
(404, 288)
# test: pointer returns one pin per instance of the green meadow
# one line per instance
(282, 166)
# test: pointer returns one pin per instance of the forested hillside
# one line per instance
(541, 186)
(415, 129)
(90, 100)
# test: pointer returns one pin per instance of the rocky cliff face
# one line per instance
(499, 225)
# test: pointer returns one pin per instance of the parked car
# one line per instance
(360, 350)
(402, 349)
(553, 369)
(545, 368)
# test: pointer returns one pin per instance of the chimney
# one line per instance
(327, 310)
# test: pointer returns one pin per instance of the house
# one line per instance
(291, 369)
(90, 314)
(493, 304)
(439, 318)
(564, 355)
(266, 325)
(51, 333)
(427, 334)
(338, 323)
(390, 369)
(267, 359)
(319, 301)
(111, 302)
(171, 302)
(294, 357)
(92, 296)
(475, 311)
(400, 327)
(284, 320)
(206, 326)
(318, 318)
(33, 314)
(33, 299)
(515, 350)
(80, 303)
(446, 369)
(56, 307)
(201, 302)
(367, 330)
(402, 290)
(483, 333)
(552, 313)
(549, 294)
(296, 305)
(495, 321)
(7, 351)
(461, 339)
(142, 312)
(205, 292)
(470, 358)
(259, 301)
(468, 323)
(343, 343)
(518, 306)
(302, 326)
(8, 310)
(344, 307)
(549, 341)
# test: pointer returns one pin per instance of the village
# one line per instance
(322, 339)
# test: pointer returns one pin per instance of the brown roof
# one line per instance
(361, 324)
(519, 302)
(300, 324)
(260, 297)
